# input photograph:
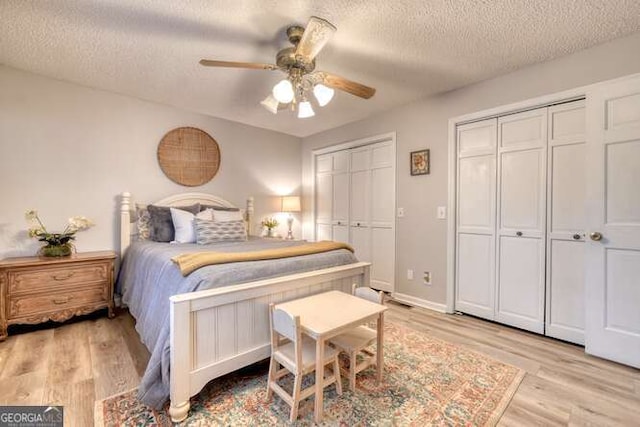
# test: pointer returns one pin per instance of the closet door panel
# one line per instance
(528, 129)
(521, 214)
(475, 279)
(567, 189)
(476, 139)
(382, 254)
(476, 193)
(361, 242)
(324, 198)
(565, 300)
(340, 198)
(522, 192)
(566, 222)
(340, 161)
(360, 159)
(521, 283)
(323, 232)
(359, 197)
(324, 163)
(476, 219)
(341, 233)
(382, 197)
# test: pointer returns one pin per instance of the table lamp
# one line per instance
(290, 204)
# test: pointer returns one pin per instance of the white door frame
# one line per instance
(529, 104)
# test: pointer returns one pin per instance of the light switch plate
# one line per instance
(442, 212)
(400, 212)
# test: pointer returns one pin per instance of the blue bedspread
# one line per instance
(148, 278)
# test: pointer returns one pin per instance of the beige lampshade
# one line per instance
(291, 204)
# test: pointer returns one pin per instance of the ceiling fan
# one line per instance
(298, 62)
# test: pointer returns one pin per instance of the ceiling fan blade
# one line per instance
(317, 33)
(348, 86)
(231, 64)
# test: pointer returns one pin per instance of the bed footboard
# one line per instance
(217, 331)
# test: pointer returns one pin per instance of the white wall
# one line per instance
(421, 238)
(70, 150)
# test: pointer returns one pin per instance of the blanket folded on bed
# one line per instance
(188, 263)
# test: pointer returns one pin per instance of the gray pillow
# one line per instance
(218, 208)
(160, 222)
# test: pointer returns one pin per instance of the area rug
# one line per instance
(426, 382)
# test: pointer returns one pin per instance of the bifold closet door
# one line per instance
(566, 222)
(324, 197)
(340, 201)
(360, 201)
(521, 230)
(382, 216)
(475, 222)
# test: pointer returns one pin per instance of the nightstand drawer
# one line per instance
(20, 306)
(51, 277)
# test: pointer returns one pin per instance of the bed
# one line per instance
(215, 320)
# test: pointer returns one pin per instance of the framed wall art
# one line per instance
(420, 162)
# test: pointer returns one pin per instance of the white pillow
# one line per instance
(184, 224)
(224, 216)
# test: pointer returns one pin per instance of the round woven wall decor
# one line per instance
(189, 156)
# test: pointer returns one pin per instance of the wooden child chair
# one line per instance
(297, 355)
(355, 341)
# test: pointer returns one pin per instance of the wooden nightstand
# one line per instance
(37, 289)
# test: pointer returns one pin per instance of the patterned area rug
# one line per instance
(426, 382)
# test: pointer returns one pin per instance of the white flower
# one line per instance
(79, 223)
(31, 215)
(36, 231)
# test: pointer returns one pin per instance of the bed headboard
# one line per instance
(127, 207)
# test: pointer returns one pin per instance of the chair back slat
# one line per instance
(369, 294)
(284, 324)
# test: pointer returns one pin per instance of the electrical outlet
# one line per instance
(400, 212)
(426, 278)
(409, 274)
(442, 212)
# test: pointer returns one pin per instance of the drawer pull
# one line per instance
(64, 277)
(63, 300)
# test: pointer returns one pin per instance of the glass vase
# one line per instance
(65, 249)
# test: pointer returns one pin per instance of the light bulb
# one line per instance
(323, 94)
(271, 104)
(283, 91)
(305, 110)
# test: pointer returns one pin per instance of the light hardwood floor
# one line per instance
(77, 363)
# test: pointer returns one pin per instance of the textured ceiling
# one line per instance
(407, 49)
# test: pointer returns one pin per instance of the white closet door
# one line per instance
(382, 216)
(566, 222)
(613, 248)
(476, 201)
(360, 201)
(323, 196)
(521, 219)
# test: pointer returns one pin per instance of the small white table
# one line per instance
(323, 316)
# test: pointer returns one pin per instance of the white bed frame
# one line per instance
(217, 331)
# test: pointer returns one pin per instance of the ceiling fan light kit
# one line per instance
(298, 62)
(305, 110)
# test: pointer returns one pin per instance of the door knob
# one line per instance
(519, 233)
(596, 236)
(576, 236)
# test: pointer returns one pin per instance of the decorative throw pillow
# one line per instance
(219, 231)
(143, 227)
(218, 208)
(184, 224)
(161, 224)
(224, 216)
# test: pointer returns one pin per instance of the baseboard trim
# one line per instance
(418, 302)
